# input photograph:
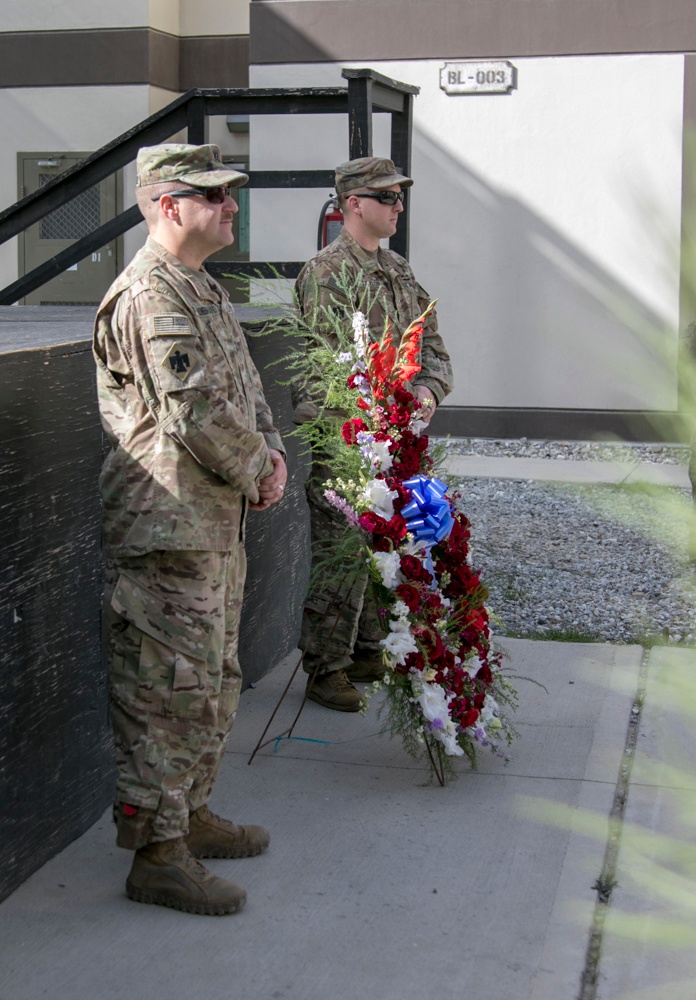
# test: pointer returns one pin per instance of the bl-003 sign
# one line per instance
(493, 77)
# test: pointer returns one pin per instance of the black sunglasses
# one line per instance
(385, 197)
(214, 195)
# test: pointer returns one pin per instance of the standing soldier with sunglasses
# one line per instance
(193, 447)
(341, 631)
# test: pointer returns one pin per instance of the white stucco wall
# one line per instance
(62, 120)
(176, 17)
(535, 221)
(67, 119)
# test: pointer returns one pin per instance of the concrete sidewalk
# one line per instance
(376, 883)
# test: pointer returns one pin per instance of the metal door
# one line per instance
(85, 282)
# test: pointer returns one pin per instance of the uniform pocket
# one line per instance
(172, 672)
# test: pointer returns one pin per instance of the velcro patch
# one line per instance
(206, 310)
(180, 361)
(168, 323)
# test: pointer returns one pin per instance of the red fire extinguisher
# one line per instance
(330, 223)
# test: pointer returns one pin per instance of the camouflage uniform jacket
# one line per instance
(183, 408)
(392, 288)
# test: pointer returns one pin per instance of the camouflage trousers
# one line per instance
(172, 624)
(340, 617)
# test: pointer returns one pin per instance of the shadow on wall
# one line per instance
(530, 319)
(535, 322)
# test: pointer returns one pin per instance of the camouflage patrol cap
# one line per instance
(369, 171)
(200, 166)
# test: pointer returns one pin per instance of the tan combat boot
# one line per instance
(210, 836)
(335, 691)
(365, 669)
(167, 874)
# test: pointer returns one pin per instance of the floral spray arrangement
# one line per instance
(446, 691)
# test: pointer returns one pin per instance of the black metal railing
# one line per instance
(366, 93)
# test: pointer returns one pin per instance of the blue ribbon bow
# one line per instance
(428, 515)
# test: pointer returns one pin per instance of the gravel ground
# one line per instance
(578, 451)
(606, 562)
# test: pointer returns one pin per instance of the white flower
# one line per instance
(374, 452)
(448, 738)
(381, 457)
(435, 708)
(416, 426)
(473, 666)
(400, 609)
(400, 625)
(434, 704)
(399, 645)
(388, 567)
(344, 357)
(490, 708)
(380, 498)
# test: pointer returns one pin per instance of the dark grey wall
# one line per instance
(56, 770)
(119, 56)
(288, 31)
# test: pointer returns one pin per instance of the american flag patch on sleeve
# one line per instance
(170, 323)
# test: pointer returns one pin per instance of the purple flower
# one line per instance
(340, 504)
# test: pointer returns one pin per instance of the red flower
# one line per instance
(413, 569)
(403, 396)
(380, 543)
(433, 601)
(407, 463)
(416, 660)
(352, 428)
(409, 595)
(485, 675)
(399, 416)
(430, 642)
(373, 523)
(397, 529)
(468, 718)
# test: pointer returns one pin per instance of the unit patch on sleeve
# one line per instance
(180, 361)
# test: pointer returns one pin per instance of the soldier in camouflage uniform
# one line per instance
(341, 630)
(193, 447)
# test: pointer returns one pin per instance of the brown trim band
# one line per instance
(289, 31)
(559, 425)
(121, 56)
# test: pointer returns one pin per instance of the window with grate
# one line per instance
(79, 217)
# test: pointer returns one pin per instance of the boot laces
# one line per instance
(339, 679)
(181, 853)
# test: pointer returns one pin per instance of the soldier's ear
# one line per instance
(169, 207)
(352, 203)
